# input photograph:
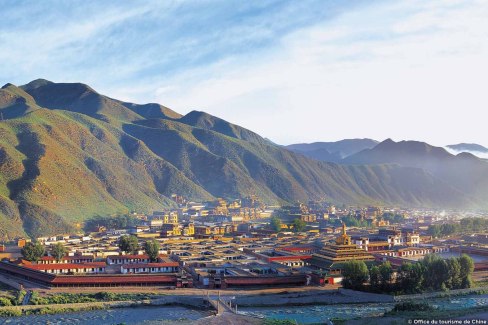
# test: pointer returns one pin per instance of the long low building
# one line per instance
(66, 259)
(93, 280)
(128, 259)
(482, 251)
(166, 267)
(116, 280)
(69, 268)
(261, 281)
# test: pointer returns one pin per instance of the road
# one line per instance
(15, 283)
(195, 291)
(27, 297)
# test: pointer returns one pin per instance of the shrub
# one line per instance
(412, 306)
(5, 301)
(10, 312)
(105, 296)
(20, 296)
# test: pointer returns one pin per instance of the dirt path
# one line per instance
(193, 291)
(229, 319)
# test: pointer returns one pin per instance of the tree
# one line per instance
(33, 251)
(386, 273)
(275, 224)
(299, 225)
(374, 277)
(454, 269)
(410, 277)
(436, 275)
(58, 251)
(152, 249)
(351, 221)
(393, 218)
(117, 222)
(435, 230)
(467, 267)
(129, 244)
(354, 274)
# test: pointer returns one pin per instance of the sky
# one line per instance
(292, 71)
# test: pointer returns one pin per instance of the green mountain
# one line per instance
(68, 153)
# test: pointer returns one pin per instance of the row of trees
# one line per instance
(298, 224)
(109, 222)
(464, 225)
(351, 221)
(392, 217)
(130, 244)
(433, 273)
(34, 251)
(444, 230)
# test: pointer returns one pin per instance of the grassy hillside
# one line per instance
(73, 154)
(61, 167)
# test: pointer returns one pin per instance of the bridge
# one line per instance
(221, 304)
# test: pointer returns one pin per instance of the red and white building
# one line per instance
(76, 259)
(128, 259)
(165, 267)
(69, 268)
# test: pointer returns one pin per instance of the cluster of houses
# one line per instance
(230, 245)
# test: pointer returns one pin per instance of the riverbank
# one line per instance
(182, 301)
(243, 299)
(478, 314)
(442, 294)
(157, 315)
(312, 297)
(148, 308)
(281, 299)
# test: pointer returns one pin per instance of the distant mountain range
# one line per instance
(466, 147)
(339, 150)
(464, 172)
(472, 148)
(332, 151)
(68, 153)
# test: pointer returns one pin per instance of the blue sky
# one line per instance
(293, 71)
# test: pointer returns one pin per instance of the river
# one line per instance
(302, 314)
(138, 315)
(323, 313)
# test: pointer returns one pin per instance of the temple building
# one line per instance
(331, 256)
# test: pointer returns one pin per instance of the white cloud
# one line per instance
(53, 44)
(408, 70)
(479, 154)
(405, 70)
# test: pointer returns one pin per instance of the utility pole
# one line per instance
(1, 116)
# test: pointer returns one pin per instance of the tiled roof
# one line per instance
(142, 265)
(67, 258)
(65, 266)
(118, 279)
(123, 257)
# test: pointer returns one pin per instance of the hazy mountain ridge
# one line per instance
(472, 148)
(468, 147)
(465, 172)
(77, 153)
(332, 151)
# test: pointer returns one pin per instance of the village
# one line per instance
(239, 244)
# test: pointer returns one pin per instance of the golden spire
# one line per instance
(343, 239)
